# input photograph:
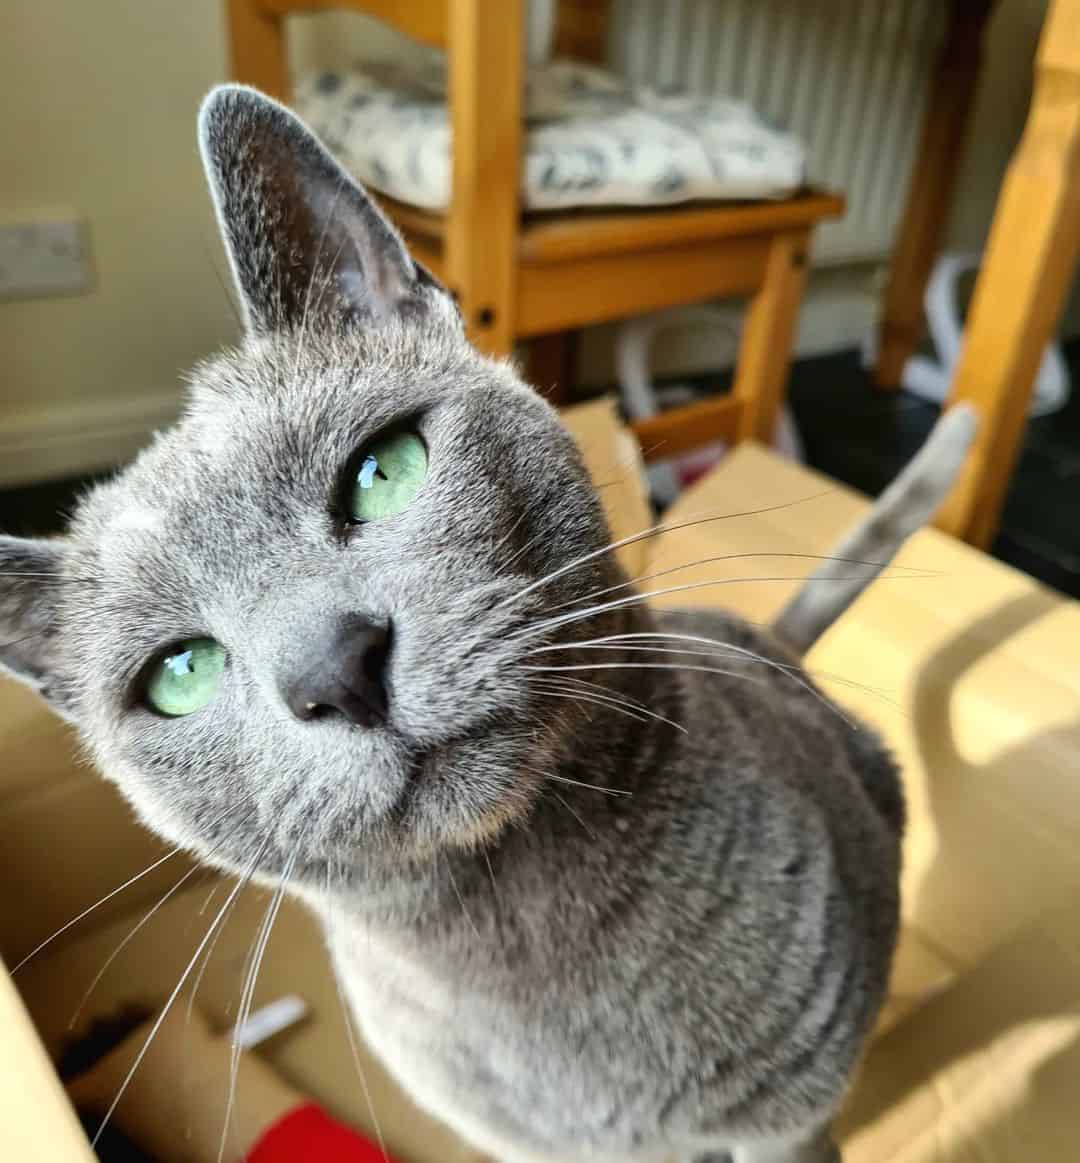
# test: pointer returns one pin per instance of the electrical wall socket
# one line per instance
(41, 258)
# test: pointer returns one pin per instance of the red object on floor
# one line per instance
(308, 1134)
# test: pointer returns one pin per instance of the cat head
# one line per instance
(299, 623)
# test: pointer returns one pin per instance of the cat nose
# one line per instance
(348, 675)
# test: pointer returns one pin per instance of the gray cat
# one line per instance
(600, 883)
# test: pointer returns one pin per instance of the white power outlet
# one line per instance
(43, 258)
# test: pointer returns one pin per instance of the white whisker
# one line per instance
(653, 531)
(461, 899)
(634, 710)
(248, 994)
(350, 1034)
(116, 891)
(588, 831)
(608, 791)
(104, 900)
(636, 599)
(240, 885)
(795, 673)
(127, 941)
(912, 571)
(625, 642)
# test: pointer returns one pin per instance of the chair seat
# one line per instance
(559, 236)
(590, 139)
(580, 267)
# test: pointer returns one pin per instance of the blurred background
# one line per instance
(98, 143)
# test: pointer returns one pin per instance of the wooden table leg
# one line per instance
(936, 167)
(765, 350)
(1025, 275)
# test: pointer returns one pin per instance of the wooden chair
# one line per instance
(1030, 256)
(539, 277)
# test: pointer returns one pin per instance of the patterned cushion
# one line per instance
(590, 139)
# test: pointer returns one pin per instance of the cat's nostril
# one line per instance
(347, 675)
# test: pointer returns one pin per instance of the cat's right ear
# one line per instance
(308, 247)
(31, 572)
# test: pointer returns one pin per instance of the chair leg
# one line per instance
(937, 164)
(765, 350)
(257, 48)
(551, 365)
(1025, 275)
(485, 89)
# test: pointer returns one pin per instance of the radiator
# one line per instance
(850, 77)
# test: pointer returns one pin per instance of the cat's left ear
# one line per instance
(30, 577)
(308, 247)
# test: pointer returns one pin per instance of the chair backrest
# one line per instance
(258, 53)
(484, 40)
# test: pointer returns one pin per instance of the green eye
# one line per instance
(392, 469)
(187, 678)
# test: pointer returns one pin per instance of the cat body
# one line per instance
(601, 883)
(724, 932)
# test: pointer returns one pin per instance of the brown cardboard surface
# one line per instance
(64, 846)
(36, 748)
(614, 462)
(36, 1121)
(315, 1056)
(989, 1070)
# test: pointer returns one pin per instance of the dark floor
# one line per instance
(852, 433)
(864, 437)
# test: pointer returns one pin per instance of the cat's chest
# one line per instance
(415, 992)
(472, 1050)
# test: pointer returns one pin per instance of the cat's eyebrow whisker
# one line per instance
(523, 549)
(652, 531)
(913, 571)
(248, 994)
(510, 532)
(240, 885)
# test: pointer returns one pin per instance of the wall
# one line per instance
(100, 101)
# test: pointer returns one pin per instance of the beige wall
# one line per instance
(99, 102)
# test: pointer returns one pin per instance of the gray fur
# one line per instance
(906, 505)
(555, 971)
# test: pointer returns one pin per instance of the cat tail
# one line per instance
(905, 506)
